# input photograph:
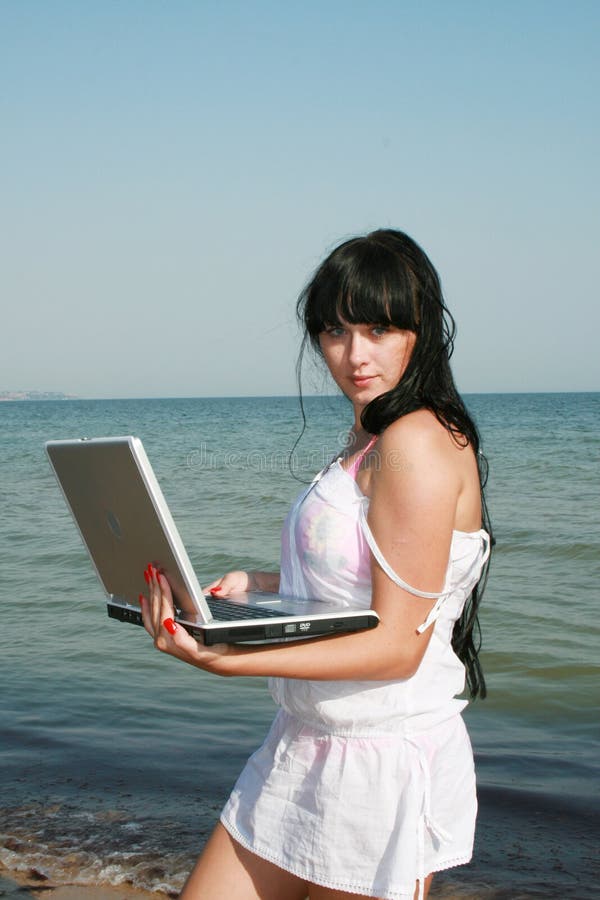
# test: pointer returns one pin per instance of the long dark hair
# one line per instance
(385, 278)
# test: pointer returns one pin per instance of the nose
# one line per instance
(357, 350)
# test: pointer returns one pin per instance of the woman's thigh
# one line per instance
(227, 871)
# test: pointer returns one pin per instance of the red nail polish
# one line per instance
(217, 588)
(170, 626)
(140, 597)
(147, 577)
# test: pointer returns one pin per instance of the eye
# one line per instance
(380, 330)
(334, 331)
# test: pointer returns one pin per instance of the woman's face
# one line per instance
(366, 360)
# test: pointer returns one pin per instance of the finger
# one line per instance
(170, 625)
(176, 640)
(162, 608)
(148, 604)
(214, 587)
(165, 588)
(228, 584)
(167, 609)
(155, 599)
(145, 610)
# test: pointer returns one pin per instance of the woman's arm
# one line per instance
(414, 491)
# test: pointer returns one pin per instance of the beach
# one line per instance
(115, 761)
(22, 887)
(527, 848)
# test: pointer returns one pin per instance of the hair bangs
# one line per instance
(362, 284)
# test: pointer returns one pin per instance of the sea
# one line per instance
(115, 760)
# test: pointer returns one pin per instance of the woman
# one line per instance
(365, 784)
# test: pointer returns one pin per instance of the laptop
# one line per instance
(118, 506)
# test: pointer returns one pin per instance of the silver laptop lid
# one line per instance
(123, 518)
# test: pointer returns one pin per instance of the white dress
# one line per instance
(363, 787)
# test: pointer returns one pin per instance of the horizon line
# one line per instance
(70, 397)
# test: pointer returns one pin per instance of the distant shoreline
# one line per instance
(8, 396)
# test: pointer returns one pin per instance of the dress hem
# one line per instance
(400, 894)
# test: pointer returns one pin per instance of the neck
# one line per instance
(357, 438)
(358, 411)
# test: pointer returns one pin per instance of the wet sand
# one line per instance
(14, 886)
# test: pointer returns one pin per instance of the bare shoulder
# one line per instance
(420, 461)
(420, 438)
(414, 493)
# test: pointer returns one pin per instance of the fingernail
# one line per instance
(215, 589)
(147, 577)
(170, 625)
(140, 597)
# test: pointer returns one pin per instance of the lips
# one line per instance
(362, 380)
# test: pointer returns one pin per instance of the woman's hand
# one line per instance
(158, 614)
(233, 583)
(239, 581)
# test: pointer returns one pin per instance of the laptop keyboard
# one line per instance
(223, 610)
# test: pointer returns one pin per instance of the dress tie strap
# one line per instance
(425, 821)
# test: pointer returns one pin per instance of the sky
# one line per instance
(173, 172)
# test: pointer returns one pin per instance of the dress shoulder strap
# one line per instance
(355, 464)
(385, 564)
(439, 598)
(427, 595)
